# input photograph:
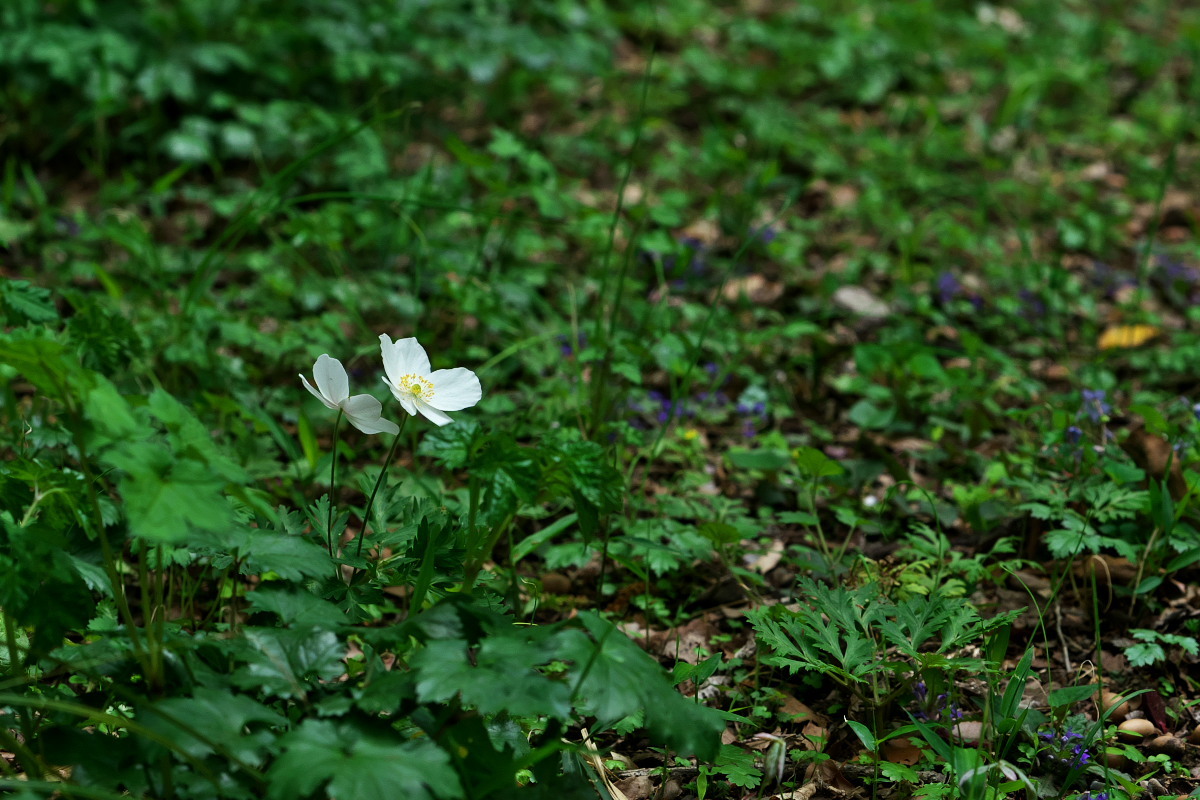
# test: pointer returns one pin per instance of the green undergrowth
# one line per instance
(837, 368)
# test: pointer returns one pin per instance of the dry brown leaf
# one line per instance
(765, 562)
(704, 231)
(901, 750)
(755, 288)
(795, 711)
(1153, 454)
(639, 787)
(817, 735)
(843, 196)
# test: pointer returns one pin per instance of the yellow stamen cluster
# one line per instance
(417, 386)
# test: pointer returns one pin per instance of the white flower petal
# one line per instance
(331, 379)
(317, 394)
(410, 358)
(432, 414)
(391, 362)
(455, 389)
(363, 410)
(402, 397)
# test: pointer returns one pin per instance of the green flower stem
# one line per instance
(362, 535)
(332, 482)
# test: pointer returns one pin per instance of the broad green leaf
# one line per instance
(1069, 695)
(617, 678)
(351, 763)
(502, 676)
(765, 460)
(211, 721)
(815, 464)
(291, 557)
(296, 607)
(864, 735)
(286, 663)
(165, 498)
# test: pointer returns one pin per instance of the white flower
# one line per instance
(418, 389)
(362, 410)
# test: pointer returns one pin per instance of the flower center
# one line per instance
(419, 387)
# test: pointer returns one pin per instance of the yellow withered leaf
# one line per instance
(1124, 336)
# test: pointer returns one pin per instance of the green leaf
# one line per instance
(212, 721)
(164, 497)
(617, 678)
(502, 676)
(350, 762)
(864, 735)
(899, 773)
(738, 766)
(296, 607)
(720, 533)
(1069, 695)
(866, 414)
(286, 663)
(1144, 655)
(191, 438)
(1156, 423)
(815, 464)
(765, 460)
(21, 302)
(292, 557)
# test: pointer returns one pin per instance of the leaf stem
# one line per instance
(332, 482)
(362, 535)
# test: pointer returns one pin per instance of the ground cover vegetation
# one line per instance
(704, 399)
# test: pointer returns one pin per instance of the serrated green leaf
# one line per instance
(296, 607)
(738, 766)
(166, 498)
(286, 663)
(1143, 655)
(502, 676)
(23, 302)
(350, 762)
(212, 720)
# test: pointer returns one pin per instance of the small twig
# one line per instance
(1061, 638)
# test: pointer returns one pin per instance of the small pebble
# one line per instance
(1135, 730)
(1167, 744)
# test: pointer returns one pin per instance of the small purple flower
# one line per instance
(1196, 411)
(948, 287)
(1108, 279)
(1032, 305)
(1074, 434)
(933, 710)
(767, 234)
(1065, 750)
(568, 346)
(1171, 270)
(1095, 404)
